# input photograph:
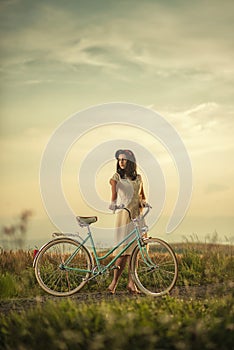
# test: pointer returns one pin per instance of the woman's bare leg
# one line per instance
(131, 285)
(121, 263)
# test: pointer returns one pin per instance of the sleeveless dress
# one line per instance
(128, 193)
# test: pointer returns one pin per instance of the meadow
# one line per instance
(185, 320)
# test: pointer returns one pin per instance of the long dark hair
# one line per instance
(131, 167)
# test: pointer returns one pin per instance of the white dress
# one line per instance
(128, 193)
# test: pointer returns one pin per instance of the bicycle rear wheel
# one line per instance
(63, 266)
(154, 268)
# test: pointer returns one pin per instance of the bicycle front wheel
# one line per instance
(63, 266)
(154, 267)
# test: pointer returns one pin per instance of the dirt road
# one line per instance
(182, 292)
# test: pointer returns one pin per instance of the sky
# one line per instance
(173, 57)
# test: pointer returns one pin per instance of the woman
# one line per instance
(127, 189)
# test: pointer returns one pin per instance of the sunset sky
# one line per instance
(175, 57)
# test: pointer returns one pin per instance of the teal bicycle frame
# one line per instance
(102, 269)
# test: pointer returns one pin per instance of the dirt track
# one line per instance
(194, 292)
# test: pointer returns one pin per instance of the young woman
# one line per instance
(127, 189)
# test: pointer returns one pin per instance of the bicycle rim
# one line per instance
(155, 268)
(52, 272)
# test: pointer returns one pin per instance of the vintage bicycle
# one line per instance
(65, 264)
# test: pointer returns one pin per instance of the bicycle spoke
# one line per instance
(154, 272)
(52, 274)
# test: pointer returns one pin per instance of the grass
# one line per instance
(198, 264)
(17, 275)
(122, 323)
(205, 263)
(165, 323)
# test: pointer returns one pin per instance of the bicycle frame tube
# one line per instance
(101, 269)
(119, 244)
(117, 256)
(97, 258)
(76, 251)
(146, 258)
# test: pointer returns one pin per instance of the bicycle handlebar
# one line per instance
(148, 206)
(122, 206)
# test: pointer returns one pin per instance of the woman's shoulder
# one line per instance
(139, 178)
(115, 177)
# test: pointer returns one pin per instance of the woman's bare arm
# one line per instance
(113, 190)
(142, 194)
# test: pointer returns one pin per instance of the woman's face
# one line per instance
(122, 161)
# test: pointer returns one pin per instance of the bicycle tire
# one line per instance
(156, 270)
(50, 273)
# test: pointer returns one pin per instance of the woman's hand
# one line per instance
(112, 206)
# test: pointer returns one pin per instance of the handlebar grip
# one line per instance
(116, 207)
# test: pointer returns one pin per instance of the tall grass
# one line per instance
(204, 263)
(17, 277)
(198, 264)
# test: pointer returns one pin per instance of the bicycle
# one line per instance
(64, 265)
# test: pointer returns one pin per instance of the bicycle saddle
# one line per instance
(86, 220)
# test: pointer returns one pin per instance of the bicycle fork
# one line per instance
(145, 256)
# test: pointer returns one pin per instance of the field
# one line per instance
(199, 313)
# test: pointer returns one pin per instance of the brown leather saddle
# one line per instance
(86, 220)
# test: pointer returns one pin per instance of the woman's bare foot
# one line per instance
(133, 289)
(112, 288)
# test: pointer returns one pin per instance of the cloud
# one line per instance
(205, 116)
(36, 82)
(204, 106)
(151, 36)
(5, 3)
(214, 188)
(207, 132)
